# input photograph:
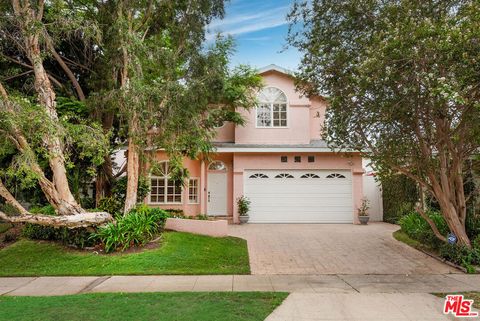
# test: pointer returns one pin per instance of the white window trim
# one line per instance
(165, 178)
(198, 190)
(271, 113)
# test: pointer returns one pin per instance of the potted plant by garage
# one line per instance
(243, 205)
(363, 216)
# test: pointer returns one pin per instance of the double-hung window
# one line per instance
(271, 108)
(163, 189)
(193, 191)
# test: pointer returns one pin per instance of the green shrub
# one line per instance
(418, 228)
(9, 209)
(78, 237)
(472, 224)
(136, 228)
(399, 194)
(5, 227)
(114, 204)
(44, 210)
(461, 255)
(111, 205)
(202, 217)
(243, 205)
(172, 212)
(9, 237)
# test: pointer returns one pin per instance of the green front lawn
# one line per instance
(142, 306)
(179, 253)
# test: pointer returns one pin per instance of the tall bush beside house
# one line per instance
(399, 194)
(243, 205)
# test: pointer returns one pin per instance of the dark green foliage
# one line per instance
(119, 190)
(399, 197)
(114, 204)
(78, 237)
(134, 229)
(9, 237)
(45, 210)
(461, 255)
(243, 204)
(5, 227)
(472, 225)
(172, 212)
(418, 229)
(8, 209)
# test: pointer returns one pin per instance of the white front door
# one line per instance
(217, 194)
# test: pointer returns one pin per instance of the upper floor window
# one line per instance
(272, 108)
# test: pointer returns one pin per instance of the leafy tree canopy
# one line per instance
(402, 81)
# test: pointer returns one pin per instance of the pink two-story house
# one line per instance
(278, 160)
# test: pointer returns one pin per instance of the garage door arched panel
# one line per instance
(301, 197)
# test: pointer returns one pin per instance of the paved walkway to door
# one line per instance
(333, 249)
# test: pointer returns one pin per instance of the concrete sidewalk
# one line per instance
(39, 286)
(361, 306)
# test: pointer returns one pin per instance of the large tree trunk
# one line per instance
(65, 203)
(132, 175)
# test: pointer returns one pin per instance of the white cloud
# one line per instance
(237, 24)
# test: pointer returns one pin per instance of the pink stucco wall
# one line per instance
(305, 117)
(226, 133)
(211, 228)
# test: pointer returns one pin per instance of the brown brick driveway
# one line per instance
(332, 249)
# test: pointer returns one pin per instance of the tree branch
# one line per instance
(53, 79)
(432, 224)
(66, 69)
(69, 221)
(10, 199)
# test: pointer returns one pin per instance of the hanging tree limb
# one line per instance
(66, 69)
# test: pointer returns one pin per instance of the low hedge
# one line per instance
(417, 228)
(77, 237)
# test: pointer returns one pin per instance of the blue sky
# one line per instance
(259, 28)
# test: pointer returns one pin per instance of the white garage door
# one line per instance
(322, 196)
